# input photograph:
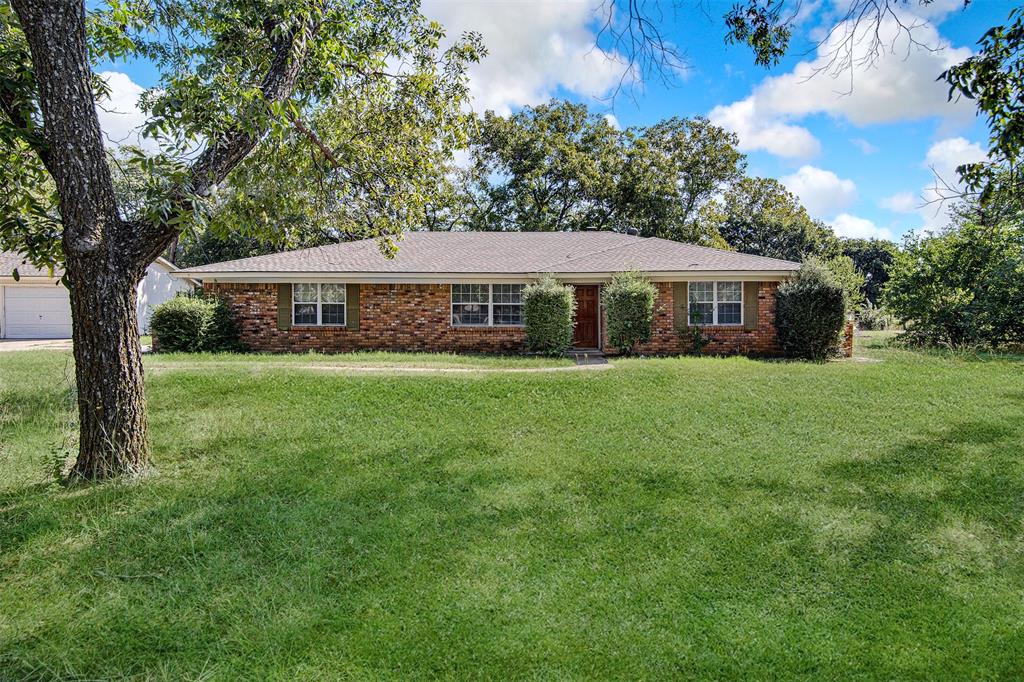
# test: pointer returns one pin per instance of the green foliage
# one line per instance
(193, 324)
(810, 312)
(994, 79)
(760, 26)
(673, 170)
(358, 147)
(549, 308)
(872, 257)
(963, 287)
(872, 317)
(179, 325)
(628, 302)
(761, 217)
(846, 275)
(559, 166)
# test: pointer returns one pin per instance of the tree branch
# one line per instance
(222, 155)
(55, 32)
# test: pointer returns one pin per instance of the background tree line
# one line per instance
(561, 167)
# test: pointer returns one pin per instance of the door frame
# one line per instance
(599, 312)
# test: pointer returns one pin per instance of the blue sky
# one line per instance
(858, 145)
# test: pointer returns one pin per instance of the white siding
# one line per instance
(157, 287)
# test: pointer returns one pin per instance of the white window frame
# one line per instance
(714, 304)
(490, 306)
(319, 305)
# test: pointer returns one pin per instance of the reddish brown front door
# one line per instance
(585, 331)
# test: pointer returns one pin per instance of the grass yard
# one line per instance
(696, 518)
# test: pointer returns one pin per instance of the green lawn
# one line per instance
(707, 518)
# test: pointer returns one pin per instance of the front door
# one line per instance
(585, 330)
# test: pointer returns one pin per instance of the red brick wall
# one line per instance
(760, 341)
(397, 317)
(416, 317)
(847, 349)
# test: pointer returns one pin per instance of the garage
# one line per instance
(40, 312)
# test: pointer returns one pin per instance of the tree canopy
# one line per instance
(761, 217)
(559, 166)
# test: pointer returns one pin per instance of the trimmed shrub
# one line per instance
(192, 324)
(810, 313)
(629, 305)
(549, 308)
(222, 333)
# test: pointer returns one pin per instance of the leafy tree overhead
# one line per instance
(301, 88)
(673, 170)
(761, 217)
(994, 79)
(559, 166)
(872, 257)
(546, 168)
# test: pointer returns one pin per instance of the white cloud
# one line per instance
(901, 202)
(863, 145)
(945, 155)
(847, 225)
(942, 159)
(890, 80)
(534, 49)
(937, 10)
(612, 121)
(120, 117)
(898, 84)
(757, 131)
(822, 192)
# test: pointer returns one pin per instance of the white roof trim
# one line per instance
(29, 280)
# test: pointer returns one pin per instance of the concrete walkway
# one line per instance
(34, 344)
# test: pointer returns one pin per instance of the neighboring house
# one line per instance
(36, 306)
(461, 291)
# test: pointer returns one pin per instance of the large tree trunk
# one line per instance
(113, 437)
(105, 255)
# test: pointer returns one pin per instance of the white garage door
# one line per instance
(36, 312)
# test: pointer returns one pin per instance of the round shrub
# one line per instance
(191, 324)
(179, 325)
(810, 313)
(222, 332)
(629, 305)
(549, 308)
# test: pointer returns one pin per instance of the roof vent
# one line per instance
(632, 232)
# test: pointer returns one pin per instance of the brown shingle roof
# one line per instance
(9, 260)
(505, 253)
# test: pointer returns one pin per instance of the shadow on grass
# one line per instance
(443, 558)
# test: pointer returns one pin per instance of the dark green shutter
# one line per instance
(750, 304)
(284, 306)
(352, 307)
(680, 308)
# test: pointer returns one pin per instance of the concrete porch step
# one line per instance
(584, 356)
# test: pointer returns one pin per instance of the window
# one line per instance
(716, 303)
(497, 305)
(318, 304)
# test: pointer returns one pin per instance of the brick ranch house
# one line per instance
(461, 292)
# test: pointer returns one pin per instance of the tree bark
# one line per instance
(113, 433)
(105, 256)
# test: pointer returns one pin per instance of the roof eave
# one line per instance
(494, 277)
